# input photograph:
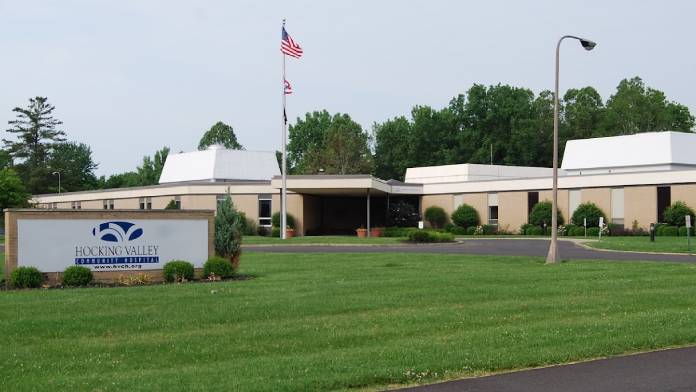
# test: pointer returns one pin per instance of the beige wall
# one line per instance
(92, 205)
(158, 203)
(444, 201)
(685, 193)
(640, 204)
(199, 202)
(295, 208)
(480, 202)
(601, 197)
(512, 210)
(126, 204)
(249, 204)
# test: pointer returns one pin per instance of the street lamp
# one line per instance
(58, 173)
(552, 256)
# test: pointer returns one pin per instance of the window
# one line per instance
(177, 202)
(265, 210)
(574, 199)
(108, 204)
(532, 200)
(493, 209)
(145, 203)
(664, 199)
(617, 206)
(76, 205)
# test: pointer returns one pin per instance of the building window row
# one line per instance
(108, 204)
(493, 209)
(76, 205)
(145, 203)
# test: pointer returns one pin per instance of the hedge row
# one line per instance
(76, 275)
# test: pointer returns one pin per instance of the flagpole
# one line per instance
(284, 190)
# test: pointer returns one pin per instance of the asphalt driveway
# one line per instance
(499, 247)
(669, 370)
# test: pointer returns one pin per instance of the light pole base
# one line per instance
(552, 257)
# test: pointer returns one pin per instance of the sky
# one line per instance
(128, 77)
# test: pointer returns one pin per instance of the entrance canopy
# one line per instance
(346, 185)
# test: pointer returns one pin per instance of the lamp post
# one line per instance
(58, 173)
(552, 256)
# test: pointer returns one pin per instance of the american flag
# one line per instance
(288, 87)
(290, 47)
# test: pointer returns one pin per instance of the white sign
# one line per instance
(51, 245)
(584, 222)
(688, 221)
(601, 221)
(420, 225)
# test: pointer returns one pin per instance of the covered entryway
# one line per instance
(338, 205)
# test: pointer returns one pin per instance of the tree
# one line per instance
(12, 191)
(345, 150)
(37, 132)
(636, 108)
(121, 180)
(151, 169)
(392, 155)
(172, 205)
(222, 134)
(465, 216)
(336, 144)
(5, 159)
(74, 162)
(305, 136)
(228, 235)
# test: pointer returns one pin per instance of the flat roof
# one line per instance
(349, 185)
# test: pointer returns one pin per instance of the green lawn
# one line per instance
(325, 322)
(321, 240)
(643, 244)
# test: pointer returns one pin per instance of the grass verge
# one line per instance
(322, 240)
(339, 321)
(643, 244)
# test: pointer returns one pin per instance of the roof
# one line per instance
(471, 172)
(219, 164)
(641, 149)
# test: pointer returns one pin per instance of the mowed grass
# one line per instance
(322, 240)
(340, 321)
(643, 244)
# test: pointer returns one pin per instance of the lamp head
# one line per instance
(587, 44)
(55, 172)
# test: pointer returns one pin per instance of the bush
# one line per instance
(489, 229)
(402, 214)
(275, 220)
(670, 231)
(535, 230)
(471, 230)
(77, 275)
(172, 205)
(593, 231)
(436, 216)
(218, 266)
(674, 214)
(275, 232)
(465, 216)
(569, 229)
(616, 229)
(541, 213)
(589, 211)
(178, 271)
(398, 231)
(524, 228)
(26, 277)
(456, 230)
(683, 231)
(576, 231)
(247, 226)
(429, 236)
(659, 227)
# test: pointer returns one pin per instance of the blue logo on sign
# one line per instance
(117, 231)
